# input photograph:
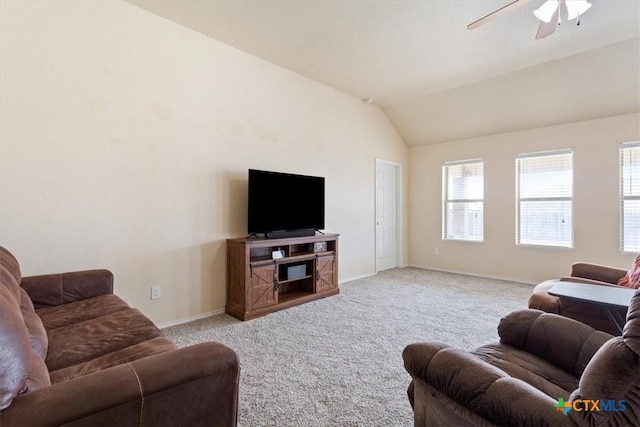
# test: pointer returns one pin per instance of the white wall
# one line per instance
(602, 82)
(596, 204)
(125, 142)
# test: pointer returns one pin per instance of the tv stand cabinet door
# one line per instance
(262, 291)
(325, 273)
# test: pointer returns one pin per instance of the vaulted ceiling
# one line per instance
(434, 79)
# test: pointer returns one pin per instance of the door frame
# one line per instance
(399, 222)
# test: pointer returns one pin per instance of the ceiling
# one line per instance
(411, 57)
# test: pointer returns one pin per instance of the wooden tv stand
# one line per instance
(257, 284)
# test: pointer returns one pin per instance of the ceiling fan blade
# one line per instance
(547, 28)
(489, 17)
(564, 11)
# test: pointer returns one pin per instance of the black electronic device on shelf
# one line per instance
(285, 205)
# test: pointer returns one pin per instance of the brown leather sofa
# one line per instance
(590, 314)
(518, 381)
(73, 353)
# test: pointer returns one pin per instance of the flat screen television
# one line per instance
(283, 204)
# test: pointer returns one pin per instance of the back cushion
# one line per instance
(15, 348)
(10, 276)
(38, 376)
(23, 339)
(550, 339)
(37, 333)
(9, 282)
(631, 333)
(546, 335)
(612, 374)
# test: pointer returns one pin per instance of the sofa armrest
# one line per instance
(547, 336)
(541, 299)
(56, 289)
(455, 373)
(512, 402)
(480, 387)
(600, 273)
(196, 385)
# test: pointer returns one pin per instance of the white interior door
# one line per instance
(386, 215)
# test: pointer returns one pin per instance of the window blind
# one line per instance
(545, 198)
(463, 208)
(630, 197)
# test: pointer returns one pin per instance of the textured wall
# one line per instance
(596, 203)
(125, 144)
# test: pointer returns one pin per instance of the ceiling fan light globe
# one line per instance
(546, 11)
(577, 8)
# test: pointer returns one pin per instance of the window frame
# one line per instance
(519, 200)
(623, 198)
(446, 200)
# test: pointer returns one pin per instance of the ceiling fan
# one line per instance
(550, 14)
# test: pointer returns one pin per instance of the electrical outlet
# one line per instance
(436, 251)
(155, 292)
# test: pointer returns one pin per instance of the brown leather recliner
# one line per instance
(589, 314)
(547, 370)
(73, 353)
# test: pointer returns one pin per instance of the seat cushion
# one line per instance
(128, 354)
(79, 311)
(89, 339)
(529, 368)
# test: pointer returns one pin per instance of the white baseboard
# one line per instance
(466, 273)
(364, 276)
(424, 267)
(351, 279)
(221, 311)
(190, 318)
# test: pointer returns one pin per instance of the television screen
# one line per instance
(284, 202)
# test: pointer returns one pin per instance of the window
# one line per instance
(630, 197)
(544, 183)
(463, 216)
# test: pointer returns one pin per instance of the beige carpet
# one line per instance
(338, 361)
